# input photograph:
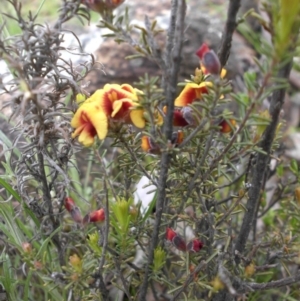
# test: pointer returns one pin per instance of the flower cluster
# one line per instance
(178, 242)
(91, 217)
(121, 103)
(111, 104)
(193, 91)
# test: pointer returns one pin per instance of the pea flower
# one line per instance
(192, 92)
(88, 121)
(113, 103)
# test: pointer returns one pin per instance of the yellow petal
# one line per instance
(145, 144)
(117, 106)
(187, 95)
(132, 90)
(223, 73)
(75, 122)
(128, 88)
(89, 120)
(96, 96)
(115, 92)
(137, 118)
(159, 119)
(86, 138)
(100, 122)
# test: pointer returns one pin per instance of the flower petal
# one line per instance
(211, 62)
(190, 93)
(137, 118)
(121, 108)
(86, 137)
(115, 92)
(178, 119)
(202, 50)
(132, 90)
(117, 106)
(100, 122)
(223, 73)
(89, 120)
(145, 145)
(149, 146)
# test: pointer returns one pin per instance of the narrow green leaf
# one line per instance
(10, 190)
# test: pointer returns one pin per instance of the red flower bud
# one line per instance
(170, 234)
(73, 209)
(179, 243)
(69, 204)
(76, 215)
(202, 50)
(176, 240)
(209, 59)
(211, 63)
(94, 217)
(195, 246)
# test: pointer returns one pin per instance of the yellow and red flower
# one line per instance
(89, 120)
(112, 103)
(192, 92)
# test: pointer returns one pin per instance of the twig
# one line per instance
(229, 211)
(258, 170)
(174, 46)
(102, 287)
(230, 26)
(272, 284)
(190, 278)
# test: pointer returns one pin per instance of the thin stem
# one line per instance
(258, 170)
(174, 46)
(230, 26)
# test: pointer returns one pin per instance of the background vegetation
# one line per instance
(72, 227)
